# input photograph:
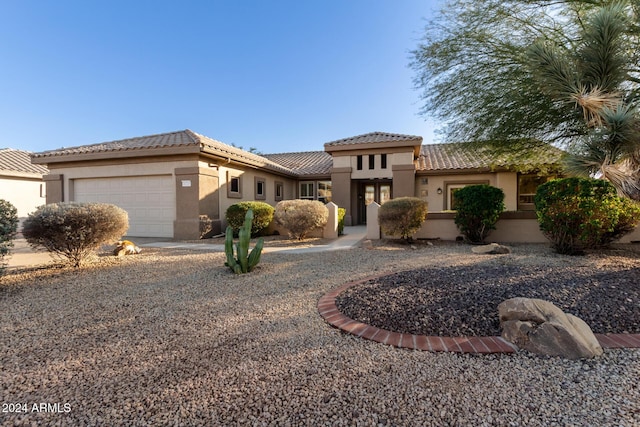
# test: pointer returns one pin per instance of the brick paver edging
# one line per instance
(329, 311)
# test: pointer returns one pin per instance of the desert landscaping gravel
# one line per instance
(172, 337)
(462, 300)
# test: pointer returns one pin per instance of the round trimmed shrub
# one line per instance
(478, 208)
(578, 213)
(75, 230)
(402, 216)
(300, 217)
(8, 228)
(262, 216)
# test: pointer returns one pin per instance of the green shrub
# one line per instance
(75, 230)
(627, 221)
(8, 228)
(402, 216)
(478, 208)
(262, 216)
(300, 217)
(341, 213)
(577, 214)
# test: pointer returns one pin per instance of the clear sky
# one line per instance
(277, 75)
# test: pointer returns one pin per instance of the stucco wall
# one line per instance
(247, 180)
(507, 181)
(25, 194)
(513, 229)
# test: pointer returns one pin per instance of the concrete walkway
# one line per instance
(351, 237)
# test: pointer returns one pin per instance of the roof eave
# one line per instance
(20, 174)
(114, 154)
(414, 143)
(245, 161)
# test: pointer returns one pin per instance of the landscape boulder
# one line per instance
(126, 247)
(540, 327)
(490, 249)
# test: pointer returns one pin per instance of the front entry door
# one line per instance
(369, 192)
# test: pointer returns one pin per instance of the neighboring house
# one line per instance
(168, 182)
(21, 182)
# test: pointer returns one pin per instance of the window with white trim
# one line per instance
(279, 191)
(234, 186)
(260, 188)
(307, 190)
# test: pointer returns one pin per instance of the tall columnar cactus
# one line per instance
(245, 261)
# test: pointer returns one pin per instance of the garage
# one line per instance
(149, 200)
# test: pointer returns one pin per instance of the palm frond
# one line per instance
(592, 101)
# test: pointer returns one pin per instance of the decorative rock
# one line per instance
(367, 244)
(491, 249)
(540, 327)
(126, 247)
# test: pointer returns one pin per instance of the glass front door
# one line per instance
(369, 192)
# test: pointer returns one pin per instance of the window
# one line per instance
(260, 188)
(279, 191)
(451, 202)
(527, 187)
(451, 187)
(234, 186)
(383, 161)
(359, 162)
(324, 191)
(307, 190)
(372, 161)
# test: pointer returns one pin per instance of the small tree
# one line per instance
(262, 216)
(75, 230)
(300, 217)
(402, 216)
(578, 213)
(8, 228)
(478, 208)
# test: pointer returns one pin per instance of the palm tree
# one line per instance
(591, 73)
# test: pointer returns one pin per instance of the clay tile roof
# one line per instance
(304, 163)
(455, 156)
(19, 162)
(183, 138)
(238, 153)
(172, 139)
(375, 137)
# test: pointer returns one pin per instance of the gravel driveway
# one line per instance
(171, 337)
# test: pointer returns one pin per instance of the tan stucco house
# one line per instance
(170, 182)
(21, 182)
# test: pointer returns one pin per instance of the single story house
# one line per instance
(21, 182)
(169, 183)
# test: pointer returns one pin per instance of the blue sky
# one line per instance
(278, 75)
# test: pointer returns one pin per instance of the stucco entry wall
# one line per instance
(54, 187)
(197, 193)
(403, 181)
(341, 191)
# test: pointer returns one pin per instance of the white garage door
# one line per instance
(149, 200)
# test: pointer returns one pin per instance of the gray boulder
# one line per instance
(492, 248)
(540, 327)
